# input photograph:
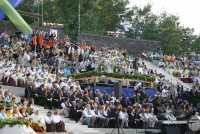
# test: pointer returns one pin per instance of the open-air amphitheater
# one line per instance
(96, 85)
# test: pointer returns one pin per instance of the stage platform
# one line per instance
(126, 91)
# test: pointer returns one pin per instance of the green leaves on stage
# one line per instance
(13, 122)
(113, 75)
(15, 18)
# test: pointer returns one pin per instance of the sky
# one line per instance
(188, 10)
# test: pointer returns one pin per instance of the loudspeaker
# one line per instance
(172, 130)
(118, 89)
(135, 64)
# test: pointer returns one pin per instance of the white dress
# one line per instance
(37, 118)
(18, 115)
(56, 118)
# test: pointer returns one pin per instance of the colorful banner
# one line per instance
(14, 17)
(14, 3)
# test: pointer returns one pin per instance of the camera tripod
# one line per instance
(117, 126)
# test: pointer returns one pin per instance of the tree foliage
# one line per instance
(99, 16)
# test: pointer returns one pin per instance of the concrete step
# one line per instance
(54, 133)
(72, 133)
(88, 132)
(17, 91)
(126, 131)
(30, 130)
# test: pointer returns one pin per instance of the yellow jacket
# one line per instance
(9, 114)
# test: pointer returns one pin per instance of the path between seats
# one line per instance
(167, 75)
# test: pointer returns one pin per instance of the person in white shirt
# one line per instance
(170, 116)
(124, 118)
(87, 116)
(37, 83)
(49, 83)
(143, 118)
(161, 64)
(153, 119)
(1, 72)
(76, 84)
(48, 119)
(32, 71)
(60, 125)
(104, 114)
(69, 84)
(66, 107)
(164, 93)
(63, 83)
(99, 118)
(148, 117)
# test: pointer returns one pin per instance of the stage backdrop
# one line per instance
(125, 91)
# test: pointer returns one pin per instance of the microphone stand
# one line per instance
(117, 126)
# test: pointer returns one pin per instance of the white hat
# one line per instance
(35, 109)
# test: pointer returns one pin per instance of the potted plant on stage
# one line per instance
(116, 69)
(102, 67)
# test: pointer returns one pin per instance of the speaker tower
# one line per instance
(118, 89)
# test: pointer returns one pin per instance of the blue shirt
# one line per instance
(3, 116)
(67, 71)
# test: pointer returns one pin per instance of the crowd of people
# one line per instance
(41, 61)
(187, 69)
(10, 109)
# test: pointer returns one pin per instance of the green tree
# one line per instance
(169, 34)
(187, 39)
(90, 19)
(195, 47)
(111, 13)
(31, 7)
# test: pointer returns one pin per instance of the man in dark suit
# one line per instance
(28, 89)
(125, 102)
(80, 95)
(74, 112)
(143, 94)
(34, 94)
(91, 95)
(101, 100)
(79, 104)
(131, 118)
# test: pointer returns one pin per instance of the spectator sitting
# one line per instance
(49, 122)
(38, 123)
(60, 125)
(2, 112)
(9, 113)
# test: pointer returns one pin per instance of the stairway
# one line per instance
(151, 65)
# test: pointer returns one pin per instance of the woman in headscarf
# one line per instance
(51, 126)
(38, 123)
